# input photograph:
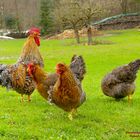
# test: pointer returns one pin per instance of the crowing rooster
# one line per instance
(120, 82)
(16, 76)
(62, 88)
(30, 51)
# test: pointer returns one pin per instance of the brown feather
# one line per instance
(43, 81)
(18, 76)
(66, 92)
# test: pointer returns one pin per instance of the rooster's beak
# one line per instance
(27, 69)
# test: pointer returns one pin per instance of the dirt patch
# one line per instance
(70, 34)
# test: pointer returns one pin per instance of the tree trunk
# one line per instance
(77, 36)
(2, 15)
(89, 34)
(17, 17)
(124, 6)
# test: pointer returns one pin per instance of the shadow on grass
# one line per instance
(84, 42)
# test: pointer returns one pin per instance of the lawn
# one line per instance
(99, 118)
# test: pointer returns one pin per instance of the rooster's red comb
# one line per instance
(30, 64)
(34, 30)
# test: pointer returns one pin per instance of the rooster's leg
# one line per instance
(129, 98)
(29, 98)
(22, 98)
(72, 112)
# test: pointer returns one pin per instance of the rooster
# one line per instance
(120, 82)
(62, 88)
(16, 76)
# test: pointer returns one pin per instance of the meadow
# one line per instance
(99, 118)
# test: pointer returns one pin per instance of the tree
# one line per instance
(124, 6)
(10, 22)
(69, 16)
(90, 11)
(45, 17)
(133, 6)
(129, 6)
(1, 14)
(19, 28)
(75, 14)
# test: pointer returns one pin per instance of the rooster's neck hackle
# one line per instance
(30, 40)
(30, 53)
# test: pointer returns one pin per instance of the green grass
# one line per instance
(99, 118)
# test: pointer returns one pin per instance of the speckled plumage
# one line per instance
(120, 82)
(16, 76)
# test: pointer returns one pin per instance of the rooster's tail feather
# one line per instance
(5, 80)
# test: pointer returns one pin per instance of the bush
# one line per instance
(10, 22)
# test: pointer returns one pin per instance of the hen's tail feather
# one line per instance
(135, 65)
(83, 98)
(78, 67)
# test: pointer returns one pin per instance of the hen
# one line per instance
(67, 92)
(44, 81)
(120, 82)
(16, 76)
(62, 88)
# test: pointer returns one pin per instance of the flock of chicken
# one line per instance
(64, 87)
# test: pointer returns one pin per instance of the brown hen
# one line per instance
(44, 81)
(67, 92)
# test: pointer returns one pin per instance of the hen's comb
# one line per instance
(60, 64)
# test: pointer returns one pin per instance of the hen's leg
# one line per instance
(75, 112)
(70, 116)
(29, 98)
(72, 112)
(129, 98)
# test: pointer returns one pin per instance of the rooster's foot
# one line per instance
(22, 98)
(29, 98)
